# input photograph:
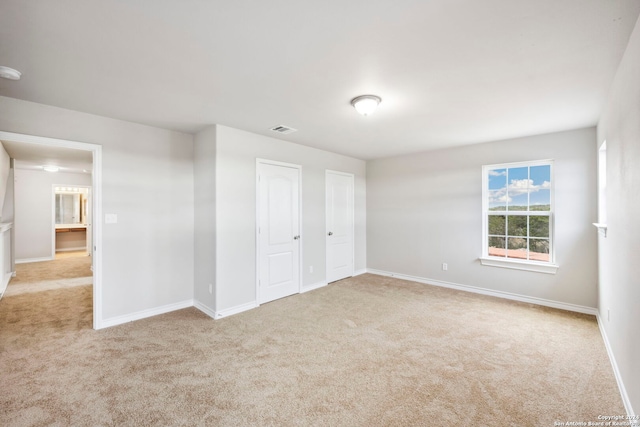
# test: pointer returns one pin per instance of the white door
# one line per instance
(278, 230)
(340, 230)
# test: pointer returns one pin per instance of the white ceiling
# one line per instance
(450, 72)
(35, 156)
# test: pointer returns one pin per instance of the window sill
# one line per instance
(537, 267)
(602, 228)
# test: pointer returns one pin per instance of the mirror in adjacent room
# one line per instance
(71, 205)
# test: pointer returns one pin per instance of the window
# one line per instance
(518, 216)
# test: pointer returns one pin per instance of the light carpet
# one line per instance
(365, 351)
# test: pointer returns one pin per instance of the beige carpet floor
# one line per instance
(366, 351)
(68, 270)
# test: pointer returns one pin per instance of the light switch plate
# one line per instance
(111, 218)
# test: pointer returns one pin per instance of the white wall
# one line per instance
(619, 288)
(205, 217)
(5, 165)
(148, 182)
(426, 209)
(236, 209)
(34, 210)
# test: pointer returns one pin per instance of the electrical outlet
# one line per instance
(608, 315)
(210, 288)
(311, 269)
(444, 266)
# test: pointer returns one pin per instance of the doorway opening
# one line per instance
(35, 152)
(71, 221)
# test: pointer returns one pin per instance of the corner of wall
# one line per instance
(204, 175)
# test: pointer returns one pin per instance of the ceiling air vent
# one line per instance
(283, 129)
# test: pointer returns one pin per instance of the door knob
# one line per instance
(296, 237)
(331, 233)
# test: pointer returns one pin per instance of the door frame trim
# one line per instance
(353, 222)
(260, 161)
(96, 187)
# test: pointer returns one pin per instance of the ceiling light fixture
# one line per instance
(51, 168)
(366, 104)
(9, 73)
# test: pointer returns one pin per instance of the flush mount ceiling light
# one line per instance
(366, 104)
(51, 168)
(9, 73)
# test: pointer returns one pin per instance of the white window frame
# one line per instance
(549, 267)
(602, 190)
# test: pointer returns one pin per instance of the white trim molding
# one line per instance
(359, 272)
(312, 287)
(519, 265)
(27, 260)
(80, 248)
(143, 314)
(602, 228)
(235, 310)
(616, 372)
(205, 309)
(483, 291)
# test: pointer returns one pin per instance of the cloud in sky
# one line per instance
(517, 187)
(494, 172)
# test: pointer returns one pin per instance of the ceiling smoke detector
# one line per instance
(283, 129)
(9, 73)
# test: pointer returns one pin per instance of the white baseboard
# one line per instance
(205, 309)
(26, 260)
(359, 272)
(81, 248)
(490, 292)
(235, 310)
(616, 372)
(118, 320)
(312, 287)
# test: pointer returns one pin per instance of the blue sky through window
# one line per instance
(520, 187)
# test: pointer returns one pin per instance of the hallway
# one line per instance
(49, 296)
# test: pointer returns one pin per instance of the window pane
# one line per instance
(541, 200)
(518, 189)
(518, 174)
(497, 179)
(517, 247)
(519, 202)
(517, 225)
(496, 246)
(540, 176)
(498, 200)
(539, 250)
(497, 189)
(539, 226)
(497, 225)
